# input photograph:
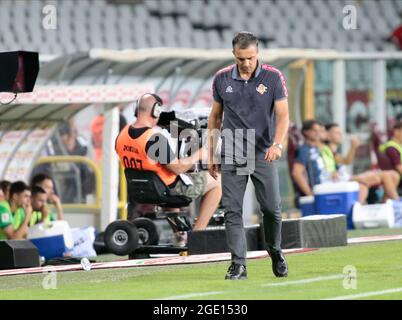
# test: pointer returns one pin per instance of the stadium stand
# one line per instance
(86, 24)
(116, 24)
(83, 25)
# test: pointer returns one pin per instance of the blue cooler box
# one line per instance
(336, 198)
(52, 239)
(307, 206)
(50, 247)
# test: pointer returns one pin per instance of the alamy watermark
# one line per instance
(49, 20)
(49, 282)
(349, 21)
(350, 277)
(237, 146)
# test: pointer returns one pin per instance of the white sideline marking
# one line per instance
(366, 294)
(192, 295)
(303, 281)
(275, 284)
(374, 239)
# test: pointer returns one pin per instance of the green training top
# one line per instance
(6, 218)
(329, 158)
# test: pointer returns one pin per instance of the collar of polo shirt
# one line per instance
(236, 75)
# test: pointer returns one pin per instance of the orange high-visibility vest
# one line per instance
(133, 155)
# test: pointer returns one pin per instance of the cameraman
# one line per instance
(143, 145)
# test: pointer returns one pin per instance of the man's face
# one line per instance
(39, 201)
(314, 134)
(23, 198)
(246, 59)
(323, 133)
(335, 135)
(398, 134)
(47, 185)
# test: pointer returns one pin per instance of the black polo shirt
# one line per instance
(249, 104)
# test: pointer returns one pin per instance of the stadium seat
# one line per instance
(271, 15)
(181, 7)
(147, 188)
(166, 7)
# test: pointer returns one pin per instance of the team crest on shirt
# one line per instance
(261, 89)
(229, 89)
(5, 218)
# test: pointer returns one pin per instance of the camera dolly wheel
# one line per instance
(147, 231)
(121, 237)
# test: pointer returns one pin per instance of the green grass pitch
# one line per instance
(312, 275)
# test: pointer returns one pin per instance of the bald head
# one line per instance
(146, 103)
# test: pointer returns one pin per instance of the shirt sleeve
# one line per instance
(302, 156)
(215, 91)
(393, 156)
(5, 218)
(159, 149)
(280, 92)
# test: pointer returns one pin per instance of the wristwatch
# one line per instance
(279, 145)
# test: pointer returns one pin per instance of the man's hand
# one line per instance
(213, 170)
(54, 199)
(355, 142)
(335, 176)
(203, 153)
(45, 212)
(273, 153)
(27, 209)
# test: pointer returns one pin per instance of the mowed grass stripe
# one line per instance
(378, 266)
(366, 294)
(275, 284)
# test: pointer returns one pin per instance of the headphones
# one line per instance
(156, 108)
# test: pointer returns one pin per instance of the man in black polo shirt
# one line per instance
(253, 98)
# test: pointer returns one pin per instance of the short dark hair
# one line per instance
(5, 185)
(37, 190)
(308, 124)
(39, 178)
(244, 39)
(398, 125)
(18, 187)
(329, 126)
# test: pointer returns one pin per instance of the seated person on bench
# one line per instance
(19, 205)
(392, 149)
(388, 179)
(143, 145)
(311, 168)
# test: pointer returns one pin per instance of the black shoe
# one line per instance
(279, 265)
(236, 272)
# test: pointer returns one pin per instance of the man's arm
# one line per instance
(160, 150)
(351, 154)
(45, 213)
(395, 159)
(55, 200)
(179, 166)
(299, 176)
(214, 127)
(399, 168)
(281, 130)
(21, 232)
